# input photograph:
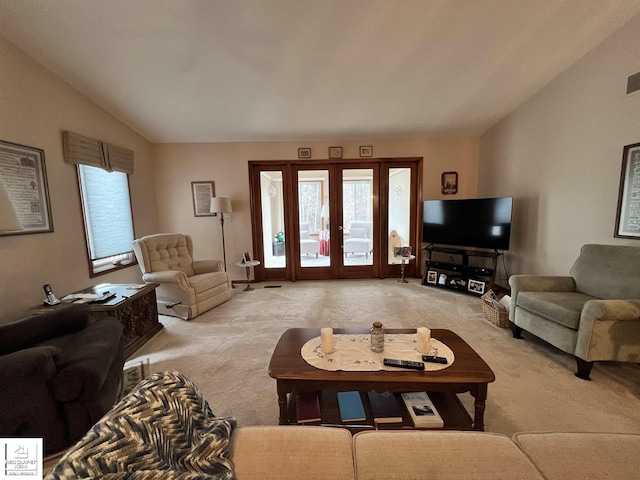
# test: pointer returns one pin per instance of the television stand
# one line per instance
(458, 272)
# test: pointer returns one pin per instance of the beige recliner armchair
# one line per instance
(187, 288)
(593, 314)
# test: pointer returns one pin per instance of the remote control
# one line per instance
(390, 362)
(434, 359)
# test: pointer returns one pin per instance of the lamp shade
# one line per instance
(9, 221)
(220, 205)
(324, 213)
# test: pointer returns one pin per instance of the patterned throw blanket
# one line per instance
(163, 429)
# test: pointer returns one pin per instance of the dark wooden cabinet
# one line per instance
(136, 308)
(134, 305)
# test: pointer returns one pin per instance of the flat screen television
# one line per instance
(476, 223)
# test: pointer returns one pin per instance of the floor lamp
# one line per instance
(221, 205)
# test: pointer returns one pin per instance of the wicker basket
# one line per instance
(495, 316)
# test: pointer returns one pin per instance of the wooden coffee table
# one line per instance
(468, 373)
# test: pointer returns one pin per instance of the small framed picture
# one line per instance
(449, 185)
(246, 257)
(366, 151)
(201, 193)
(432, 277)
(476, 286)
(304, 153)
(335, 152)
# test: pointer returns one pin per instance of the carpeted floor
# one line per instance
(226, 351)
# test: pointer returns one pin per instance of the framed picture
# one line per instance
(246, 257)
(628, 213)
(449, 183)
(23, 177)
(202, 193)
(335, 152)
(304, 153)
(402, 251)
(476, 286)
(432, 277)
(366, 151)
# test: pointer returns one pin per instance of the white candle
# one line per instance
(326, 339)
(424, 340)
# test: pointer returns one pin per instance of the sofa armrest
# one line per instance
(538, 283)
(85, 362)
(610, 310)
(608, 330)
(207, 266)
(167, 276)
(35, 329)
(30, 363)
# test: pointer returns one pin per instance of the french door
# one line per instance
(333, 219)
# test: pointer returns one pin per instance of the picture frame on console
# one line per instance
(432, 277)
(627, 223)
(476, 286)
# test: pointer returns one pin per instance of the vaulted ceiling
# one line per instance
(277, 70)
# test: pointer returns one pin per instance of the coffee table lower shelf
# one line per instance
(449, 407)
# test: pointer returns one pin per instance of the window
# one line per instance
(108, 221)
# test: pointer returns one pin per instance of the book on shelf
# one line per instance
(422, 411)
(351, 407)
(385, 407)
(308, 407)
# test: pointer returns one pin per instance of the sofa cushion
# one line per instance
(207, 281)
(358, 233)
(439, 455)
(598, 456)
(608, 271)
(85, 359)
(563, 308)
(288, 452)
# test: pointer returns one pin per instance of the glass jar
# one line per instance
(377, 337)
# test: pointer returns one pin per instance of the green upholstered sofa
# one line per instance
(593, 313)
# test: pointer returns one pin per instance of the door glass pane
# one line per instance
(313, 195)
(399, 210)
(272, 200)
(357, 216)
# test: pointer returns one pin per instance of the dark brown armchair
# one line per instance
(60, 373)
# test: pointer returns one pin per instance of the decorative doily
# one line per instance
(352, 353)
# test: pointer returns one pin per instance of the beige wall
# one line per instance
(559, 155)
(36, 107)
(227, 165)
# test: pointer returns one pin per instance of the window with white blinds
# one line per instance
(107, 216)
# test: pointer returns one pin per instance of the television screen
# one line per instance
(478, 223)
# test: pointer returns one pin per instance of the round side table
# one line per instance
(248, 265)
(403, 263)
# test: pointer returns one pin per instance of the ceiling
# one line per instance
(291, 70)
